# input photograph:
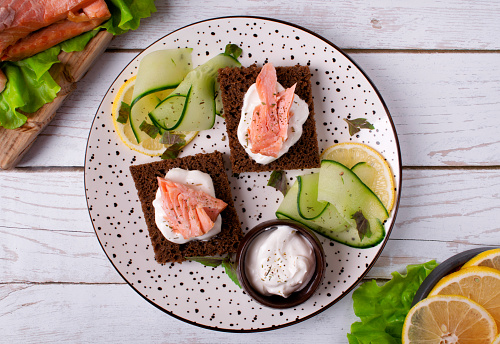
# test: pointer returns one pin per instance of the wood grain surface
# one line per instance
(437, 66)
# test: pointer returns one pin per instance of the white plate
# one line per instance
(205, 296)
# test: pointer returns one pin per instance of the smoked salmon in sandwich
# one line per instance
(33, 32)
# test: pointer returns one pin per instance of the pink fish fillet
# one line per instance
(189, 212)
(89, 18)
(269, 125)
(19, 18)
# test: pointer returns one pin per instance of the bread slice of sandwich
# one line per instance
(188, 207)
(269, 114)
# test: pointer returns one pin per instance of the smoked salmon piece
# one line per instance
(89, 18)
(269, 125)
(19, 18)
(189, 212)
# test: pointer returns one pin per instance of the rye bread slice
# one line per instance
(145, 179)
(234, 83)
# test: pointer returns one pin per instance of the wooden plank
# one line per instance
(45, 200)
(15, 143)
(46, 234)
(45, 256)
(358, 24)
(445, 116)
(115, 313)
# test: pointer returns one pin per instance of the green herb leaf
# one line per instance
(362, 224)
(123, 113)
(227, 263)
(149, 129)
(230, 268)
(278, 181)
(207, 261)
(355, 125)
(233, 50)
(382, 309)
(175, 142)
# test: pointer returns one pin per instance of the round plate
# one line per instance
(205, 296)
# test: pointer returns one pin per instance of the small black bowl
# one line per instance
(447, 267)
(296, 298)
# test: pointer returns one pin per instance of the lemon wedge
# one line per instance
(149, 146)
(448, 319)
(380, 180)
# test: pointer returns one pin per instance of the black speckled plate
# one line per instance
(205, 296)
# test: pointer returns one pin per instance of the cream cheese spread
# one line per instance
(280, 261)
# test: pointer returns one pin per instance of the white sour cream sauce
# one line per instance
(280, 261)
(300, 112)
(197, 180)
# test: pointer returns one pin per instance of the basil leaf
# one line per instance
(278, 181)
(362, 224)
(149, 129)
(233, 50)
(207, 261)
(123, 113)
(227, 263)
(176, 143)
(230, 268)
(355, 125)
(169, 139)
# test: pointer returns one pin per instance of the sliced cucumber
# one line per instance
(140, 113)
(199, 110)
(219, 108)
(175, 104)
(160, 70)
(307, 200)
(365, 172)
(341, 187)
(328, 217)
(340, 233)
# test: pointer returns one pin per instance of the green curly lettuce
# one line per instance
(127, 14)
(383, 309)
(30, 84)
(29, 87)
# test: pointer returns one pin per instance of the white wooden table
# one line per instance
(436, 64)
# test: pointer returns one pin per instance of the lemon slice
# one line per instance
(381, 182)
(478, 283)
(490, 258)
(149, 146)
(496, 340)
(448, 319)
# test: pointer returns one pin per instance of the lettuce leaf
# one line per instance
(78, 43)
(383, 309)
(30, 84)
(127, 14)
(29, 87)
